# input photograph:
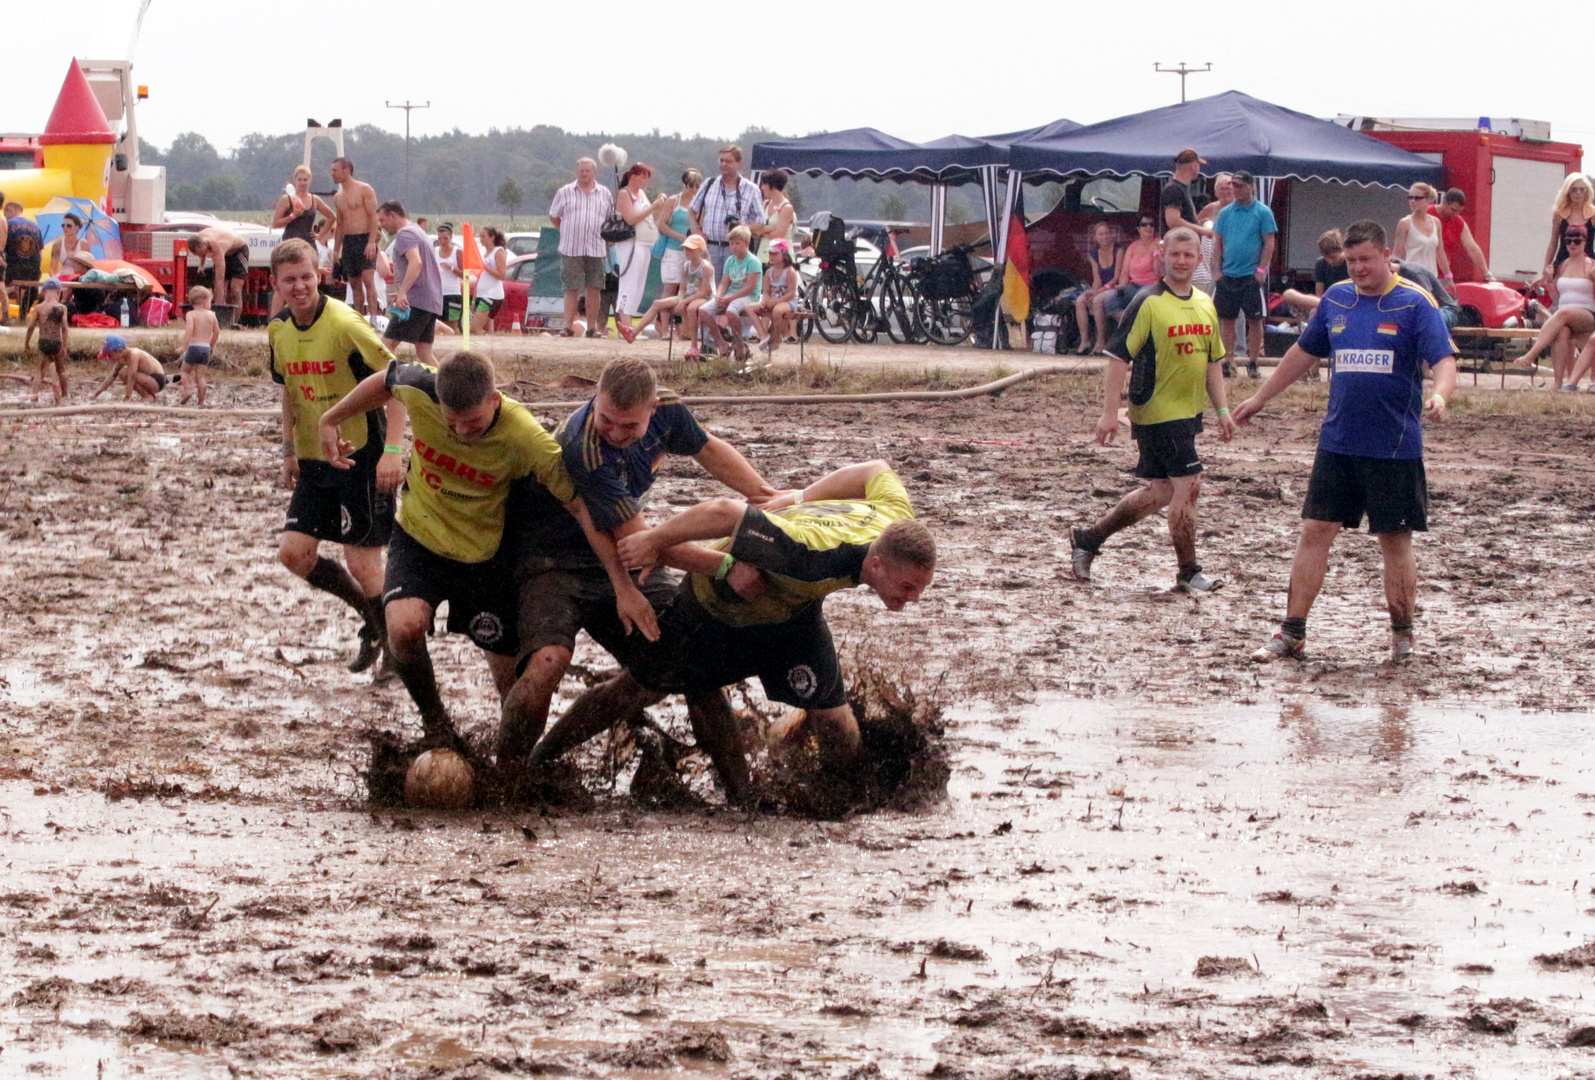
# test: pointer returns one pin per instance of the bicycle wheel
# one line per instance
(866, 320)
(833, 311)
(897, 315)
(947, 321)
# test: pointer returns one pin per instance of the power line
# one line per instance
(407, 107)
(1182, 71)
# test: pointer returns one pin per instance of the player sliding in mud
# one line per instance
(320, 350)
(470, 444)
(612, 446)
(760, 613)
(1383, 332)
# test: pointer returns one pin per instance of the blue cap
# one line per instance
(51, 283)
(114, 343)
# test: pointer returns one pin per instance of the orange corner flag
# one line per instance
(470, 254)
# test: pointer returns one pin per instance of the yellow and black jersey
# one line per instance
(317, 366)
(1168, 340)
(806, 552)
(454, 493)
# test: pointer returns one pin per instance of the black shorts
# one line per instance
(795, 660)
(196, 356)
(236, 264)
(1238, 295)
(490, 306)
(453, 307)
(49, 348)
(353, 512)
(17, 270)
(1393, 493)
(160, 380)
(1168, 450)
(556, 603)
(352, 262)
(416, 327)
(481, 602)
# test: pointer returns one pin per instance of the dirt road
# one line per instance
(1154, 858)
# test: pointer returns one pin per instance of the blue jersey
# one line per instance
(1381, 346)
(1242, 229)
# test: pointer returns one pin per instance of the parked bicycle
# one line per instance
(945, 288)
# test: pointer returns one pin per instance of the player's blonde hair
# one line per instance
(627, 382)
(199, 294)
(907, 543)
(292, 251)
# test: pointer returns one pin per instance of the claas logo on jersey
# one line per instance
(448, 464)
(311, 367)
(1198, 329)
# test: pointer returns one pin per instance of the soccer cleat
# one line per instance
(1080, 558)
(1199, 583)
(1401, 648)
(1280, 646)
(370, 649)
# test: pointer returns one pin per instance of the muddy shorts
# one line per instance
(49, 348)
(481, 602)
(556, 603)
(795, 661)
(235, 264)
(1168, 450)
(1394, 494)
(351, 512)
(352, 261)
(196, 355)
(418, 327)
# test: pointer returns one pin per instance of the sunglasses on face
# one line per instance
(1147, 225)
(1575, 239)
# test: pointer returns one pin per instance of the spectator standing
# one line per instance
(778, 213)
(721, 206)
(673, 230)
(1418, 234)
(448, 253)
(417, 284)
(1246, 232)
(24, 248)
(354, 249)
(1461, 250)
(487, 296)
(229, 262)
(578, 212)
(1575, 205)
(1178, 207)
(295, 214)
(632, 257)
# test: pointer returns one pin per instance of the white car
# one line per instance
(522, 243)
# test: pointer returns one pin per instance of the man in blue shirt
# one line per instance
(613, 447)
(1244, 249)
(1383, 332)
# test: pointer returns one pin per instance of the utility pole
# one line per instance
(1181, 71)
(407, 107)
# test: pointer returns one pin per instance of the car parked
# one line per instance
(522, 243)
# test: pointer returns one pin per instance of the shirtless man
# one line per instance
(142, 373)
(229, 258)
(354, 252)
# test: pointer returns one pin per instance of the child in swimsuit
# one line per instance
(200, 331)
(48, 317)
(141, 371)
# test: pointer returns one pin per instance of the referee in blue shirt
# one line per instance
(1384, 333)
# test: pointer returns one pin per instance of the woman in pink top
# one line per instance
(1141, 265)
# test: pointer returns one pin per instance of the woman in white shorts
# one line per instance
(673, 230)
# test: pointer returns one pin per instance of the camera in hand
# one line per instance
(732, 221)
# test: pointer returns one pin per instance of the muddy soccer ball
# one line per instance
(439, 780)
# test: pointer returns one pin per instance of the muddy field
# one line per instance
(1153, 859)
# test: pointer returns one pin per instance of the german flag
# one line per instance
(1016, 274)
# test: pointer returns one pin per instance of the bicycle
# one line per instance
(947, 287)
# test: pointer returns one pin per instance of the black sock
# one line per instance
(419, 680)
(1296, 628)
(1401, 627)
(328, 576)
(1188, 572)
(1089, 539)
(376, 627)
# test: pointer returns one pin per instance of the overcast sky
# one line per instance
(916, 70)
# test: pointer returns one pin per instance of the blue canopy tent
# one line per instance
(866, 153)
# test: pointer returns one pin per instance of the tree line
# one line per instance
(515, 171)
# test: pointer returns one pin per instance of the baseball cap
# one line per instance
(114, 343)
(1186, 156)
(694, 243)
(51, 283)
(1241, 176)
(780, 244)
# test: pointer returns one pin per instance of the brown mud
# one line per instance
(1153, 858)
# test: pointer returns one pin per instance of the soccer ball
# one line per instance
(439, 780)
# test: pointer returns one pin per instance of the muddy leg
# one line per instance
(836, 731)
(714, 726)
(1311, 564)
(365, 566)
(408, 621)
(525, 710)
(1130, 509)
(1182, 520)
(1401, 579)
(595, 712)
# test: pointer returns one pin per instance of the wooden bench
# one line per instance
(1488, 346)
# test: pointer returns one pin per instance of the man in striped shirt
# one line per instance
(720, 207)
(578, 212)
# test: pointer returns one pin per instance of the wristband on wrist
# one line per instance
(287, 449)
(1223, 411)
(1439, 395)
(389, 448)
(725, 568)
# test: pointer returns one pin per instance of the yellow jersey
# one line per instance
(455, 491)
(317, 365)
(1168, 340)
(806, 552)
